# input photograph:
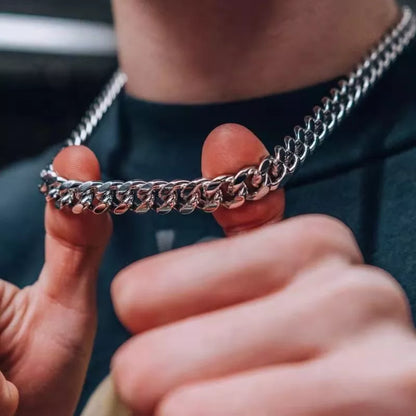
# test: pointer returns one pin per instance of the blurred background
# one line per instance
(54, 58)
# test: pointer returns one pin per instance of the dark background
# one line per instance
(43, 96)
(97, 10)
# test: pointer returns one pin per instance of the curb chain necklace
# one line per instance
(230, 191)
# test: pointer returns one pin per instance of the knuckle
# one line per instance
(373, 291)
(327, 235)
(323, 225)
(137, 376)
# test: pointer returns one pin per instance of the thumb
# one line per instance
(74, 244)
(9, 397)
(228, 149)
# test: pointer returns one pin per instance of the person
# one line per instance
(282, 317)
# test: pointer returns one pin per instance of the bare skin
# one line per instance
(306, 317)
(289, 308)
(214, 50)
(281, 320)
(47, 329)
(317, 332)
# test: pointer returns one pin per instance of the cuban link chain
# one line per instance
(230, 191)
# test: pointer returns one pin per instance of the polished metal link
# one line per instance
(230, 191)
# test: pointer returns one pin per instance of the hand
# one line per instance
(284, 320)
(47, 329)
(9, 397)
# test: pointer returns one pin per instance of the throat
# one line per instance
(216, 51)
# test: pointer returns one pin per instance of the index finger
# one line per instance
(208, 276)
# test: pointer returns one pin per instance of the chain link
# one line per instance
(231, 191)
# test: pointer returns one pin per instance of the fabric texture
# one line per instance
(365, 175)
(104, 401)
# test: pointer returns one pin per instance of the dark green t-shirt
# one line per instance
(365, 175)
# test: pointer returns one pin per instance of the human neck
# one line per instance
(188, 51)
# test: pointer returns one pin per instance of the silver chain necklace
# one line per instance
(230, 191)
